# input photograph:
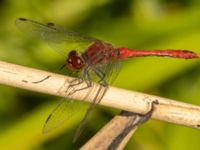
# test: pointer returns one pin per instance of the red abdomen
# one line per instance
(127, 53)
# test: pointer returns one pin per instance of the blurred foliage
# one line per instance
(139, 24)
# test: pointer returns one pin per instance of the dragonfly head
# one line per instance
(74, 61)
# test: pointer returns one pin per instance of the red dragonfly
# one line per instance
(92, 59)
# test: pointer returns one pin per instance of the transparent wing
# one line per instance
(107, 72)
(99, 93)
(62, 113)
(59, 38)
(66, 108)
(110, 70)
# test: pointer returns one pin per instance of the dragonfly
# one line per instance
(91, 59)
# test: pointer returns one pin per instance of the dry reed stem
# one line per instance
(115, 134)
(167, 110)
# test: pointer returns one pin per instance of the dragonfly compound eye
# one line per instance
(69, 61)
(73, 53)
(78, 63)
(74, 63)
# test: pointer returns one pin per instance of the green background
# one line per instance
(139, 24)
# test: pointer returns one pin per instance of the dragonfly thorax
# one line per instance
(74, 61)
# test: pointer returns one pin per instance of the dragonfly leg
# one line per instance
(71, 86)
(76, 82)
(102, 77)
(87, 81)
(99, 95)
(88, 85)
(80, 80)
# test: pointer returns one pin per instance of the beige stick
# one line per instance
(115, 134)
(167, 110)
